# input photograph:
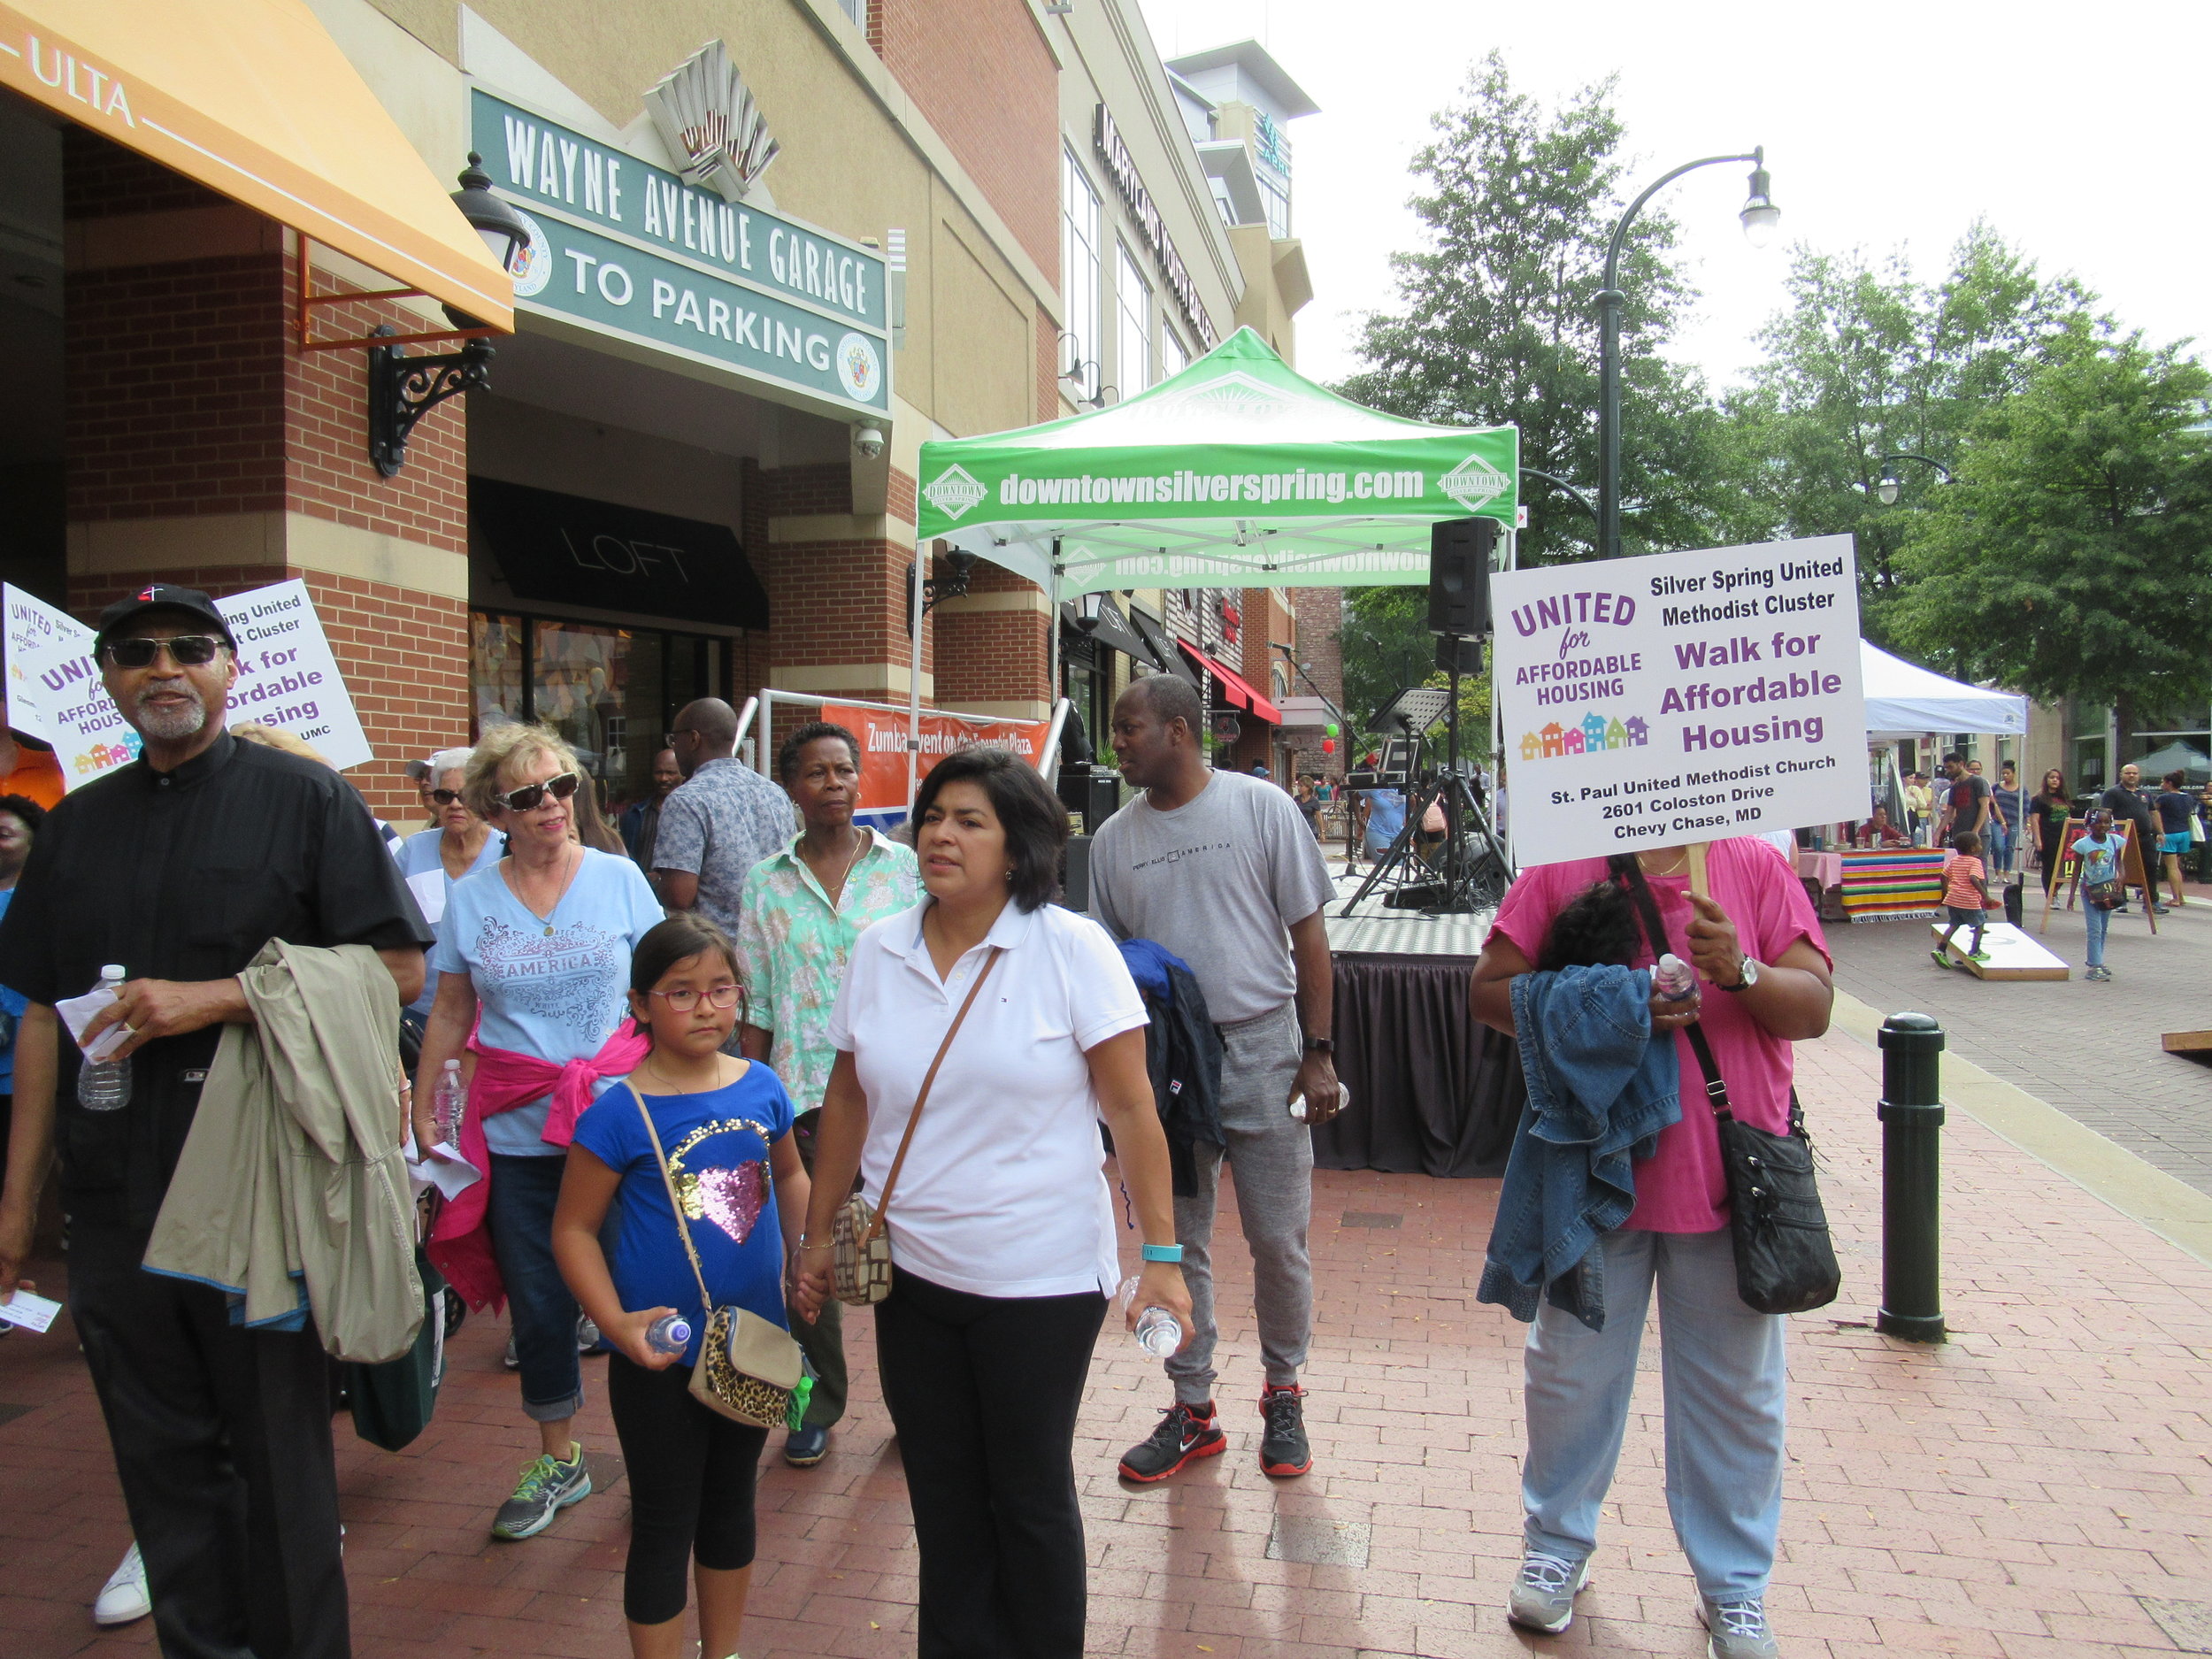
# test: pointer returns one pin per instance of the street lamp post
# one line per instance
(1887, 490)
(1759, 216)
(1581, 500)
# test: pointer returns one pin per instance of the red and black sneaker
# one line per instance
(1185, 1434)
(1283, 1449)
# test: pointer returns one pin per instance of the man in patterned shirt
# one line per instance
(721, 821)
(802, 909)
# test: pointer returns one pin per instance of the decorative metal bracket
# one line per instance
(403, 389)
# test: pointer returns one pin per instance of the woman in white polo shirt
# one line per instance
(1002, 1232)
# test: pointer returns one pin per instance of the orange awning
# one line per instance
(254, 100)
(1234, 687)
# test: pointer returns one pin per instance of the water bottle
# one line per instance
(445, 1105)
(671, 1333)
(1673, 979)
(104, 1086)
(1343, 1102)
(1158, 1331)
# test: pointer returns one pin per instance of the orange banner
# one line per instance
(882, 733)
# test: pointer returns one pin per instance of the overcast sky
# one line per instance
(2078, 132)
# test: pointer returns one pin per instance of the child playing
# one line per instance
(725, 1124)
(1965, 898)
(2101, 893)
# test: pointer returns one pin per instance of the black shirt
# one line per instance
(2174, 811)
(2132, 805)
(1968, 792)
(186, 875)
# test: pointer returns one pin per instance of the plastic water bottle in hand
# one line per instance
(1158, 1333)
(671, 1333)
(104, 1086)
(1672, 979)
(445, 1105)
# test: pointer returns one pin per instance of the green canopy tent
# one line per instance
(1238, 473)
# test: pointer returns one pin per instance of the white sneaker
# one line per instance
(123, 1598)
(1543, 1598)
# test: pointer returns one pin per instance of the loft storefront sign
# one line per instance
(1121, 167)
(633, 252)
(1681, 697)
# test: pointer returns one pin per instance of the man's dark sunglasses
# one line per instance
(445, 797)
(187, 650)
(528, 798)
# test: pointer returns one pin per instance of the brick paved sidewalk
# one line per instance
(2016, 1493)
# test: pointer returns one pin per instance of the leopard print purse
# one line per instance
(748, 1366)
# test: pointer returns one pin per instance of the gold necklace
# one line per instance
(676, 1089)
(837, 897)
(515, 882)
(1682, 862)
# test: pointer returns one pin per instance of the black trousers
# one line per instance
(222, 1440)
(692, 1472)
(984, 1393)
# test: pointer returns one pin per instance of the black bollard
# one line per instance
(1912, 1141)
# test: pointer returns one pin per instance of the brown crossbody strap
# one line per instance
(668, 1181)
(883, 1203)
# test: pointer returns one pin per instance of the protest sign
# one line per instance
(1680, 697)
(287, 676)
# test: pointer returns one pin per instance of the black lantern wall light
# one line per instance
(402, 389)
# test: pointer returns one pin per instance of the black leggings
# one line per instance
(691, 1486)
(984, 1391)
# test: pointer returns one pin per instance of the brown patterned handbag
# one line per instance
(748, 1366)
(860, 1251)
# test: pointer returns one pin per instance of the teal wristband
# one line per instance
(1163, 1252)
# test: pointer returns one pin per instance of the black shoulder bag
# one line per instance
(1786, 1263)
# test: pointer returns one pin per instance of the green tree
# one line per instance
(1496, 322)
(2073, 557)
(1867, 362)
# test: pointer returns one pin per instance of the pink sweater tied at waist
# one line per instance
(460, 1244)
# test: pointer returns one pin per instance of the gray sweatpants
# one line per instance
(1273, 1156)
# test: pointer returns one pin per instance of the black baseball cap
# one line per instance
(161, 596)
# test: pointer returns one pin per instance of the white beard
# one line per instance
(171, 724)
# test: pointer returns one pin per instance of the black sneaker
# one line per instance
(1185, 1434)
(1283, 1449)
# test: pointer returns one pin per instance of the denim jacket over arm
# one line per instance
(1599, 1090)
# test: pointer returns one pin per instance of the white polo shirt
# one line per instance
(1004, 1190)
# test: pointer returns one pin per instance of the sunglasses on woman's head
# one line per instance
(445, 797)
(684, 999)
(187, 650)
(526, 799)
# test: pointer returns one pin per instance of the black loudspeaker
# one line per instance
(1469, 653)
(1459, 576)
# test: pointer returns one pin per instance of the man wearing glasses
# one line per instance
(180, 866)
(723, 819)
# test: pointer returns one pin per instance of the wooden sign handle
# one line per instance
(1697, 887)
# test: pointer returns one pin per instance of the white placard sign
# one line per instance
(287, 676)
(1679, 697)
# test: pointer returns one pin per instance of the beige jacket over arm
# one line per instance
(294, 1166)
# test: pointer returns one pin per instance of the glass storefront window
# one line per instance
(612, 693)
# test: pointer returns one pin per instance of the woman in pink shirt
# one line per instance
(1765, 983)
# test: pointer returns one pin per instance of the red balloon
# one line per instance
(1328, 746)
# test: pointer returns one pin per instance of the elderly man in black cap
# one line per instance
(179, 867)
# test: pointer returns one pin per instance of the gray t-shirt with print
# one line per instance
(1218, 881)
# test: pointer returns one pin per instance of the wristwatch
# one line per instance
(1747, 975)
(1320, 1045)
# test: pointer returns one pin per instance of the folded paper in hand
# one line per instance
(77, 1012)
(429, 890)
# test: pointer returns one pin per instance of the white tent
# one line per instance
(1904, 699)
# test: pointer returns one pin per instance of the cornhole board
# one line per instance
(2187, 1043)
(2013, 954)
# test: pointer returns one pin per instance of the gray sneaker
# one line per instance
(1544, 1595)
(548, 1486)
(1736, 1629)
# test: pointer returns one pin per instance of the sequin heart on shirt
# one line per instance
(732, 1199)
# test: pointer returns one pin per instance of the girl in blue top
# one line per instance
(2100, 854)
(726, 1126)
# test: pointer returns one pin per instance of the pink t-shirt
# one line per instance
(1681, 1187)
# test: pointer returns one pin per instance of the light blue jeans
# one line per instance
(2096, 921)
(1726, 1385)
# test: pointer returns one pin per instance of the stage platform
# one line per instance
(1432, 1092)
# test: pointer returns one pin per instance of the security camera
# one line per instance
(868, 441)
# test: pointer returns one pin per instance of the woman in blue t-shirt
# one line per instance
(2100, 854)
(725, 1124)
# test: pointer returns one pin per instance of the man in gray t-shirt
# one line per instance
(1219, 868)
